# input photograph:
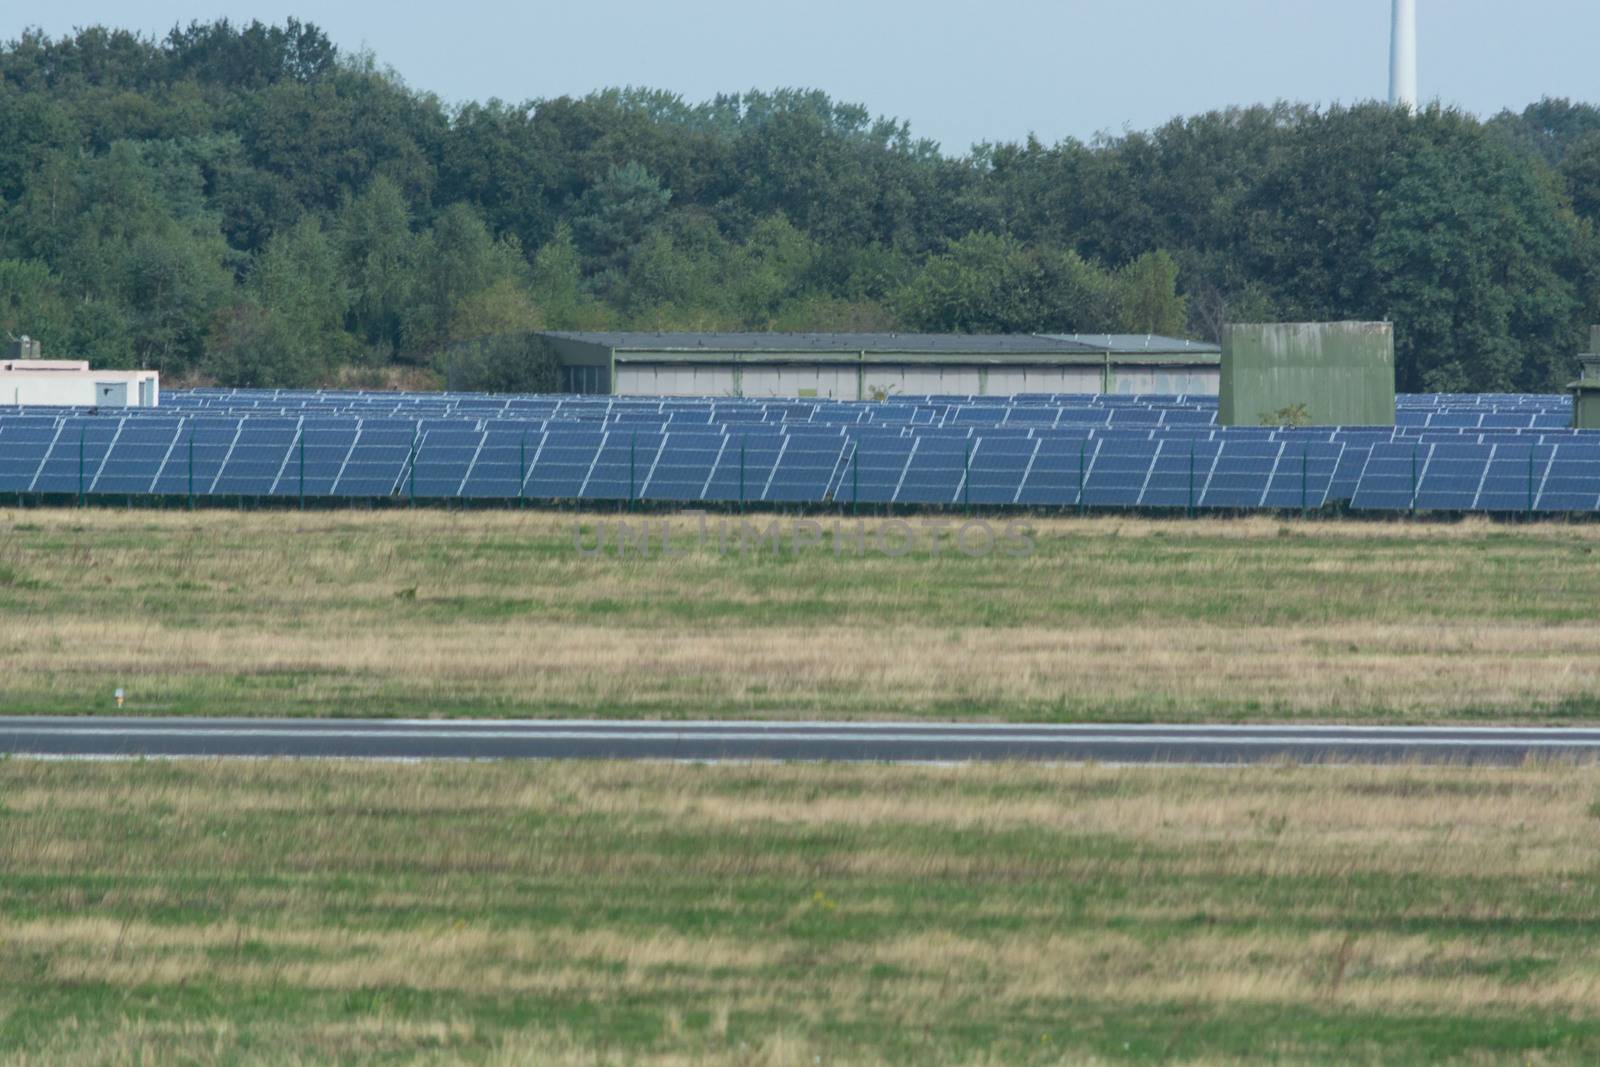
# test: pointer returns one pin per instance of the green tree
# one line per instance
(992, 284)
(128, 229)
(1580, 169)
(174, 282)
(616, 211)
(31, 303)
(149, 177)
(508, 363)
(772, 266)
(457, 264)
(298, 281)
(678, 267)
(378, 252)
(503, 307)
(256, 348)
(557, 289)
(1147, 292)
(985, 283)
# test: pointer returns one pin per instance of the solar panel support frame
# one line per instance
(855, 480)
(966, 477)
(1530, 483)
(1083, 458)
(1305, 477)
(1191, 479)
(1413, 479)
(411, 469)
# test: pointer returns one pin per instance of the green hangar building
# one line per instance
(861, 366)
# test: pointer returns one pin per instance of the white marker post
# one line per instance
(1403, 56)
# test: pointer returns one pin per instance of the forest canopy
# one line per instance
(250, 205)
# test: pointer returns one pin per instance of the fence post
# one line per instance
(1191, 479)
(411, 472)
(1305, 477)
(1413, 479)
(302, 470)
(1530, 480)
(522, 472)
(1083, 459)
(966, 477)
(633, 444)
(81, 433)
(855, 479)
(191, 468)
(741, 475)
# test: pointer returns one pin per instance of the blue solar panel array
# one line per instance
(1485, 452)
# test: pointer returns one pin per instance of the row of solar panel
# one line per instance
(1042, 417)
(209, 396)
(1543, 406)
(1438, 411)
(907, 416)
(41, 429)
(1471, 477)
(1402, 400)
(257, 461)
(1247, 467)
(710, 467)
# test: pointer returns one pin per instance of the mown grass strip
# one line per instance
(642, 913)
(436, 613)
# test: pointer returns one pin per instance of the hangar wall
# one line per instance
(859, 366)
(841, 382)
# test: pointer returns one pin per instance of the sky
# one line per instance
(960, 72)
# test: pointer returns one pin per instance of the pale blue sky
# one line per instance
(959, 71)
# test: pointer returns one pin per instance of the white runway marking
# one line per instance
(705, 741)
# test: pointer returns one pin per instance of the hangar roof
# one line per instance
(951, 343)
(1135, 342)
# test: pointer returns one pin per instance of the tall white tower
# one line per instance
(1403, 56)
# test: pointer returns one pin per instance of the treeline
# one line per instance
(249, 205)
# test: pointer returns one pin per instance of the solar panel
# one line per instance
(804, 469)
(744, 467)
(75, 455)
(1119, 471)
(1057, 472)
(1179, 474)
(1569, 480)
(878, 465)
(1391, 478)
(1242, 473)
(1474, 452)
(1303, 477)
(996, 470)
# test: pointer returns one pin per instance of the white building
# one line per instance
(70, 383)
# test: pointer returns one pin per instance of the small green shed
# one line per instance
(1314, 373)
(1586, 390)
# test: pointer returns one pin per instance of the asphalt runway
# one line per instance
(899, 742)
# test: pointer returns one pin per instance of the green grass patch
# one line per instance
(222, 913)
(496, 613)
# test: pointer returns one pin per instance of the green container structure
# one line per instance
(1307, 373)
(1586, 390)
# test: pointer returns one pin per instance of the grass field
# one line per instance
(498, 613)
(618, 913)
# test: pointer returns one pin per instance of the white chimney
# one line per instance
(1403, 56)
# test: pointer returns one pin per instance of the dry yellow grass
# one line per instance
(496, 612)
(621, 913)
